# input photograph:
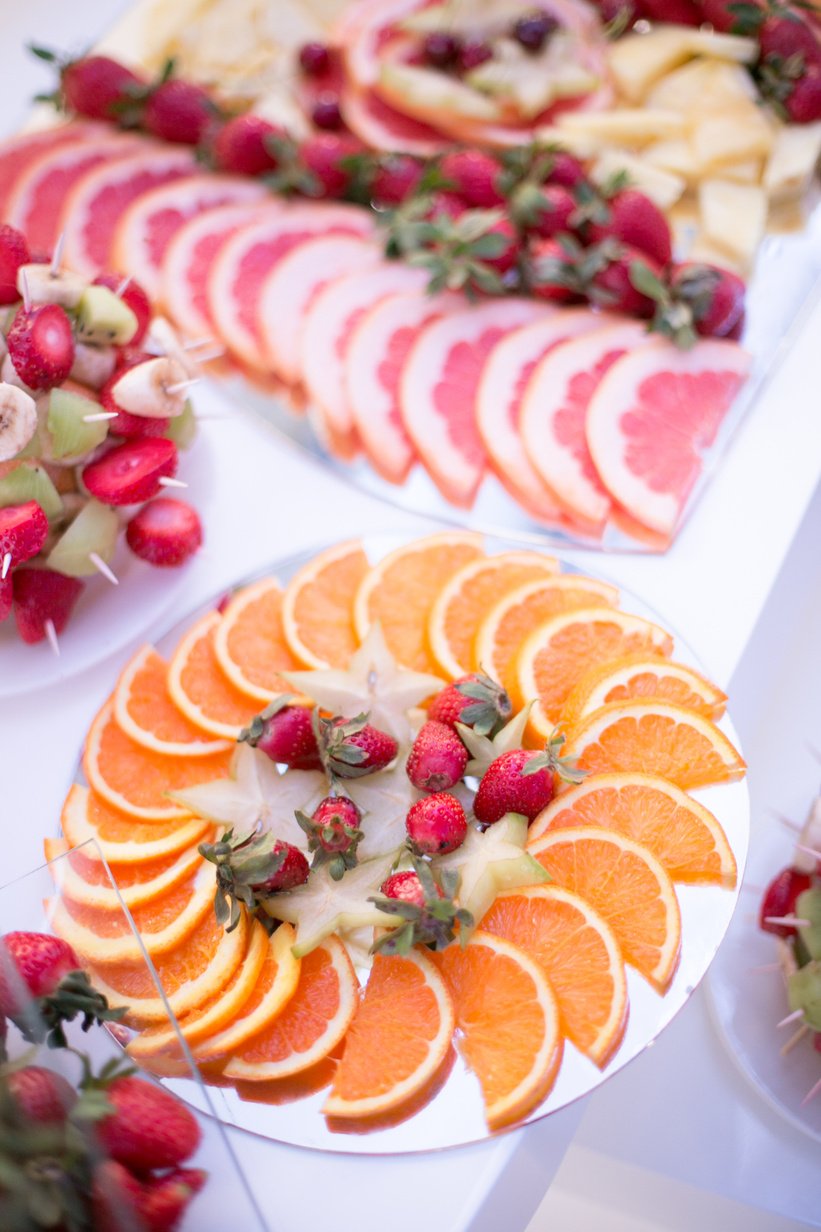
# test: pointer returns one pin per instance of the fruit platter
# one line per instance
(333, 824)
(521, 257)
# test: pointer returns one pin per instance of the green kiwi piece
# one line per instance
(182, 428)
(95, 529)
(27, 483)
(70, 435)
(104, 319)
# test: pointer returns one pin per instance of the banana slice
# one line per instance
(18, 420)
(93, 365)
(8, 375)
(45, 287)
(164, 339)
(152, 389)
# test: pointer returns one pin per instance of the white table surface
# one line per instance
(680, 1110)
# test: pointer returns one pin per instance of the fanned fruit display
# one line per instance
(357, 859)
(493, 252)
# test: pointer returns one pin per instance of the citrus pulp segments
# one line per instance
(243, 262)
(318, 606)
(327, 327)
(643, 676)
(93, 208)
(249, 643)
(150, 223)
(187, 262)
(201, 690)
(19, 152)
(499, 403)
(554, 408)
(374, 359)
(36, 198)
(86, 817)
(87, 881)
(141, 697)
(651, 417)
(437, 392)
(382, 127)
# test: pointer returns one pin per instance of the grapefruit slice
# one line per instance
(292, 285)
(236, 277)
(499, 401)
(95, 205)
(328, 326)
(651, 418)
(437, 391)
(36, 199)
(383, 127)
(150, 223)
(376, 353)
(188, 259)
(554, 412)
(18, 153)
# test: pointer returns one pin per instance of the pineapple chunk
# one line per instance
(583, 145)
(639, 60)
(793, 160)
(675, 155)
(712, 254)
(632, 125)
(733, 216)
(733, 135)
(703, 86)
(660, 186)
(743, 173)
(723, 46)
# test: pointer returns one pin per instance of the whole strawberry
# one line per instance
(286, 734)
(250, 868)
(351, 748)
(165, 1199)
(543, 210)
(41, 346)
(779, 900)
(437, 759)
(473, 175)
(333, 833)
(521, 781)
(179, 111)
(631, 217)
(14, 252)
(715, 297)
(474, 700)
(94, 86)
(436, 824)
(803, 105)
(425, 910)
(244, 146)
(148, 1127)
(613, 282)
(396, 177)
(554, 270)
(406, 887)
(322, 156)
(42, 1095)
(33, 966)
(116, 1199)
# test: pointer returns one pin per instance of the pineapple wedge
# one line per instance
(638, 61)
(793, 159)
(703, 87)
(630, 125)
(674, 156)
(743, 173)
(734, 217)
(660, 186)
(732, 135)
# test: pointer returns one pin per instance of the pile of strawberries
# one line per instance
(106, 1155)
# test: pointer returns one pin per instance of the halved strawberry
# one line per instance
(23, 530)
(130, 474)
(132, 427)
(780, 898)
(41, 595)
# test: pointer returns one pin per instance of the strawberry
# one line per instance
(676, 12)
(250, 868)
(544, 210)
(243, 146)
(720, 15)
(475, 700)
(165, 1199)
(148, 1127)
(179, 111)
(130, 357)
(436, 824)
(130, 474)
(630, 216)
(14, 252)
(95, 86)
(444, 205)
(428, 914)
(333, 833)
(116, 1199)
(803, 106)
(6, 596)
(23, 531)
(42, 1095)
(553, 270)
(135, 296)
(565, 169)
(437, 759)
(507, 246)
(397, 176)
(322, 156)
(780, 898)
(473, 175)
(787, 33)
(130, 427)
(42, 987)
(610, 267)
(406, 887)
(285, 734)
(166, 532)
(714, 295)
(41, 346)
(352, 747)
(42, 595)
(521, 781)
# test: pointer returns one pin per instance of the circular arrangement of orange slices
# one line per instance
(545, 967)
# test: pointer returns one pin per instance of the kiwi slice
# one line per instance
(70, 435)
(95, 529)
(104, 319)
(27, 483)
(182, 428)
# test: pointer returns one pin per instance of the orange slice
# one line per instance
(86, 880)
(163, 924)
(250, 645)
(555, 654)
(463, 601)
(399, 1037)
(317, 608)
(639, 677)
(626, 885)
(509, 1020)
(655, 738)
(136, 781)
(121, 839)
(189, 975)
(508, 622)
(400, 591)
(200, 689)
(230, 1001)
(580, 957)
(682, 834)
(146, 713)
(270, 1043)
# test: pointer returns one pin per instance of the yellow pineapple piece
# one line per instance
(732, 135)
(628, 125)
(673, 155)
(793, 159)
(703, 87)
(733, 217)
(660, 186)
(638, 61)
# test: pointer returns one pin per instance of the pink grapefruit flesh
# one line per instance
(382, 127)
(18, 153)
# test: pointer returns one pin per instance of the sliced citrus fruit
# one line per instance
(508, 622)
(102, 937)
(119, 838)
(144, 711)
(651, 416)
(463, 601)
(507, 1014)
(269, 1043)
(136, 781)
(627, 886)
(400, 591)
(682, 834)
(382, 127)
(189, 975)
(556, 653)
(655, 738)
(399, 1037)
(317, 608)
(580, 957)
(249, 642)
(201, 690)
(87, 881)
(642, 677)
(18, 153)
